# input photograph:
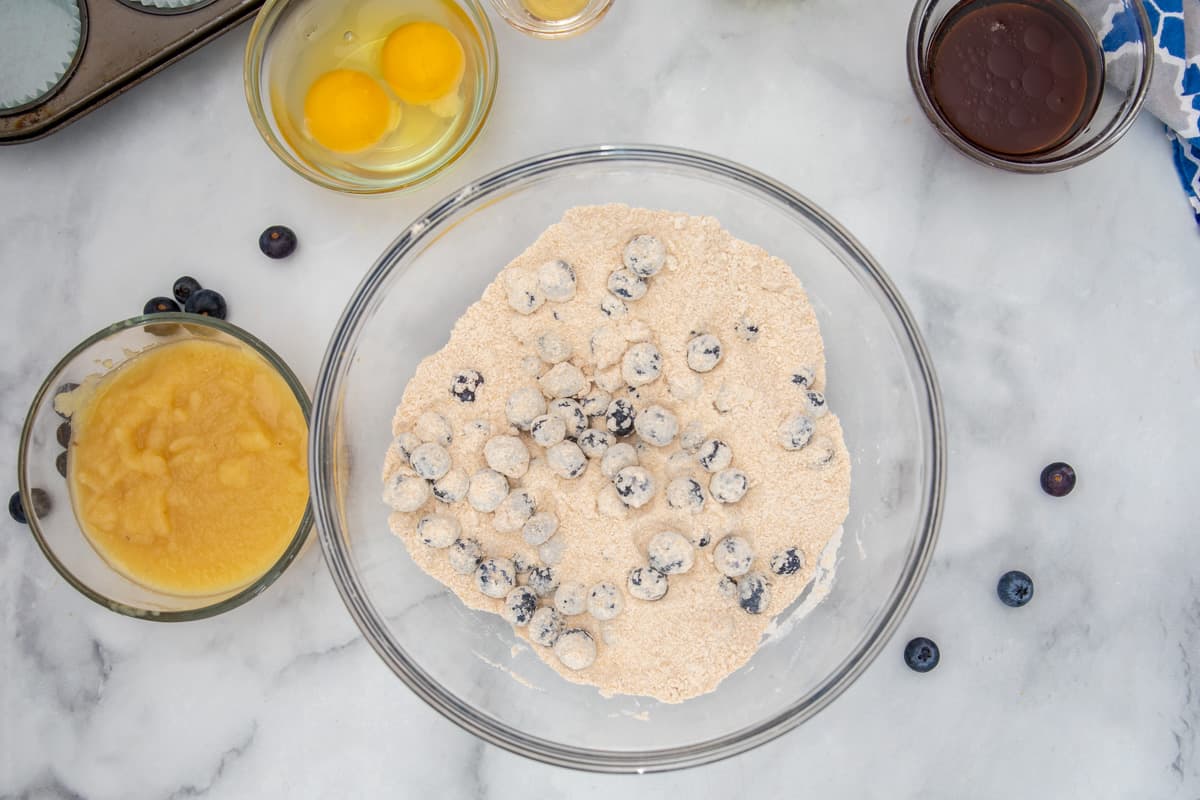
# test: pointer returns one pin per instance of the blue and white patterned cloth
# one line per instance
(1175, 90)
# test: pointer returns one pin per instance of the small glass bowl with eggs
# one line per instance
(370, 96)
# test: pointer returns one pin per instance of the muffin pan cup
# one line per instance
(120, 43)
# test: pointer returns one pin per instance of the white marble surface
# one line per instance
(1061, 313)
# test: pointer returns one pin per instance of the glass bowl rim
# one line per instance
(50, 383)
(583, 22)
(1035, 165)
(252, 65)
(323, 449)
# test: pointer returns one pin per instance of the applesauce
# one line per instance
(187, 467)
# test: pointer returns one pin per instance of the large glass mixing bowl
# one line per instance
(465, 663)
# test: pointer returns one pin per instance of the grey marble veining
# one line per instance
(1060, 311)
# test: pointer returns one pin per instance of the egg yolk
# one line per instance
(347, 110)
(423, 62)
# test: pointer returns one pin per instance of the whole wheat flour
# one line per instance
(624, 450)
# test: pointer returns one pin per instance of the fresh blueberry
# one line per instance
(620, 417)
(185, 287)
(1015, 588)
(160, 305)
(41, 505)
(465, 384)
(207, 303)
(60, 463)
(15, 510)
(277, 241)
(922, 654)
(1058, 479)
(63, 434)
(787, 562)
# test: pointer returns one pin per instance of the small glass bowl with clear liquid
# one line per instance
(370, 96)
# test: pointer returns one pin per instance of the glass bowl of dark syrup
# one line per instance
(1027, 85)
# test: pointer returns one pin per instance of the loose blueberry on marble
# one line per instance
(787, 562)
(566, 460)
(452, 487)
(656, 426)
(921, 654)
(795, 432)
(1015, 588)
(547, 430)
(617, 458)
(732, 556)
(430, 461)
(595, 443)
(627, 285)
(438, 530)
(464, 386)
(620, 416)
(646, 583)
(433, 427)
(542, 580)
(556, 279)
(524, 406)
(60, 463)
(571, 413)
(685, 494)
(644, 255)
(704, 353)
(41, 505)
(641, 364)
(185, 287)
(575, 649)
(160, 305)
(570, 598)
(464, 556)
(1058, 479)
(207, 303)
(714, 455)
(62, 434)
(803, 377)
(747, 329)
(519, 606)
(65, 388)
(540, 527)
(552, 348)
(545, 626)
(754, 592)
(487, 490)
(495, 577)
(604, 601)
(670, 553)
(728, 485)
(277, 241)
(634, 486)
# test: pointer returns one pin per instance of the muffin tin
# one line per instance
(59, 59)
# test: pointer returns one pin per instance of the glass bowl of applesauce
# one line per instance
(163, 467)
